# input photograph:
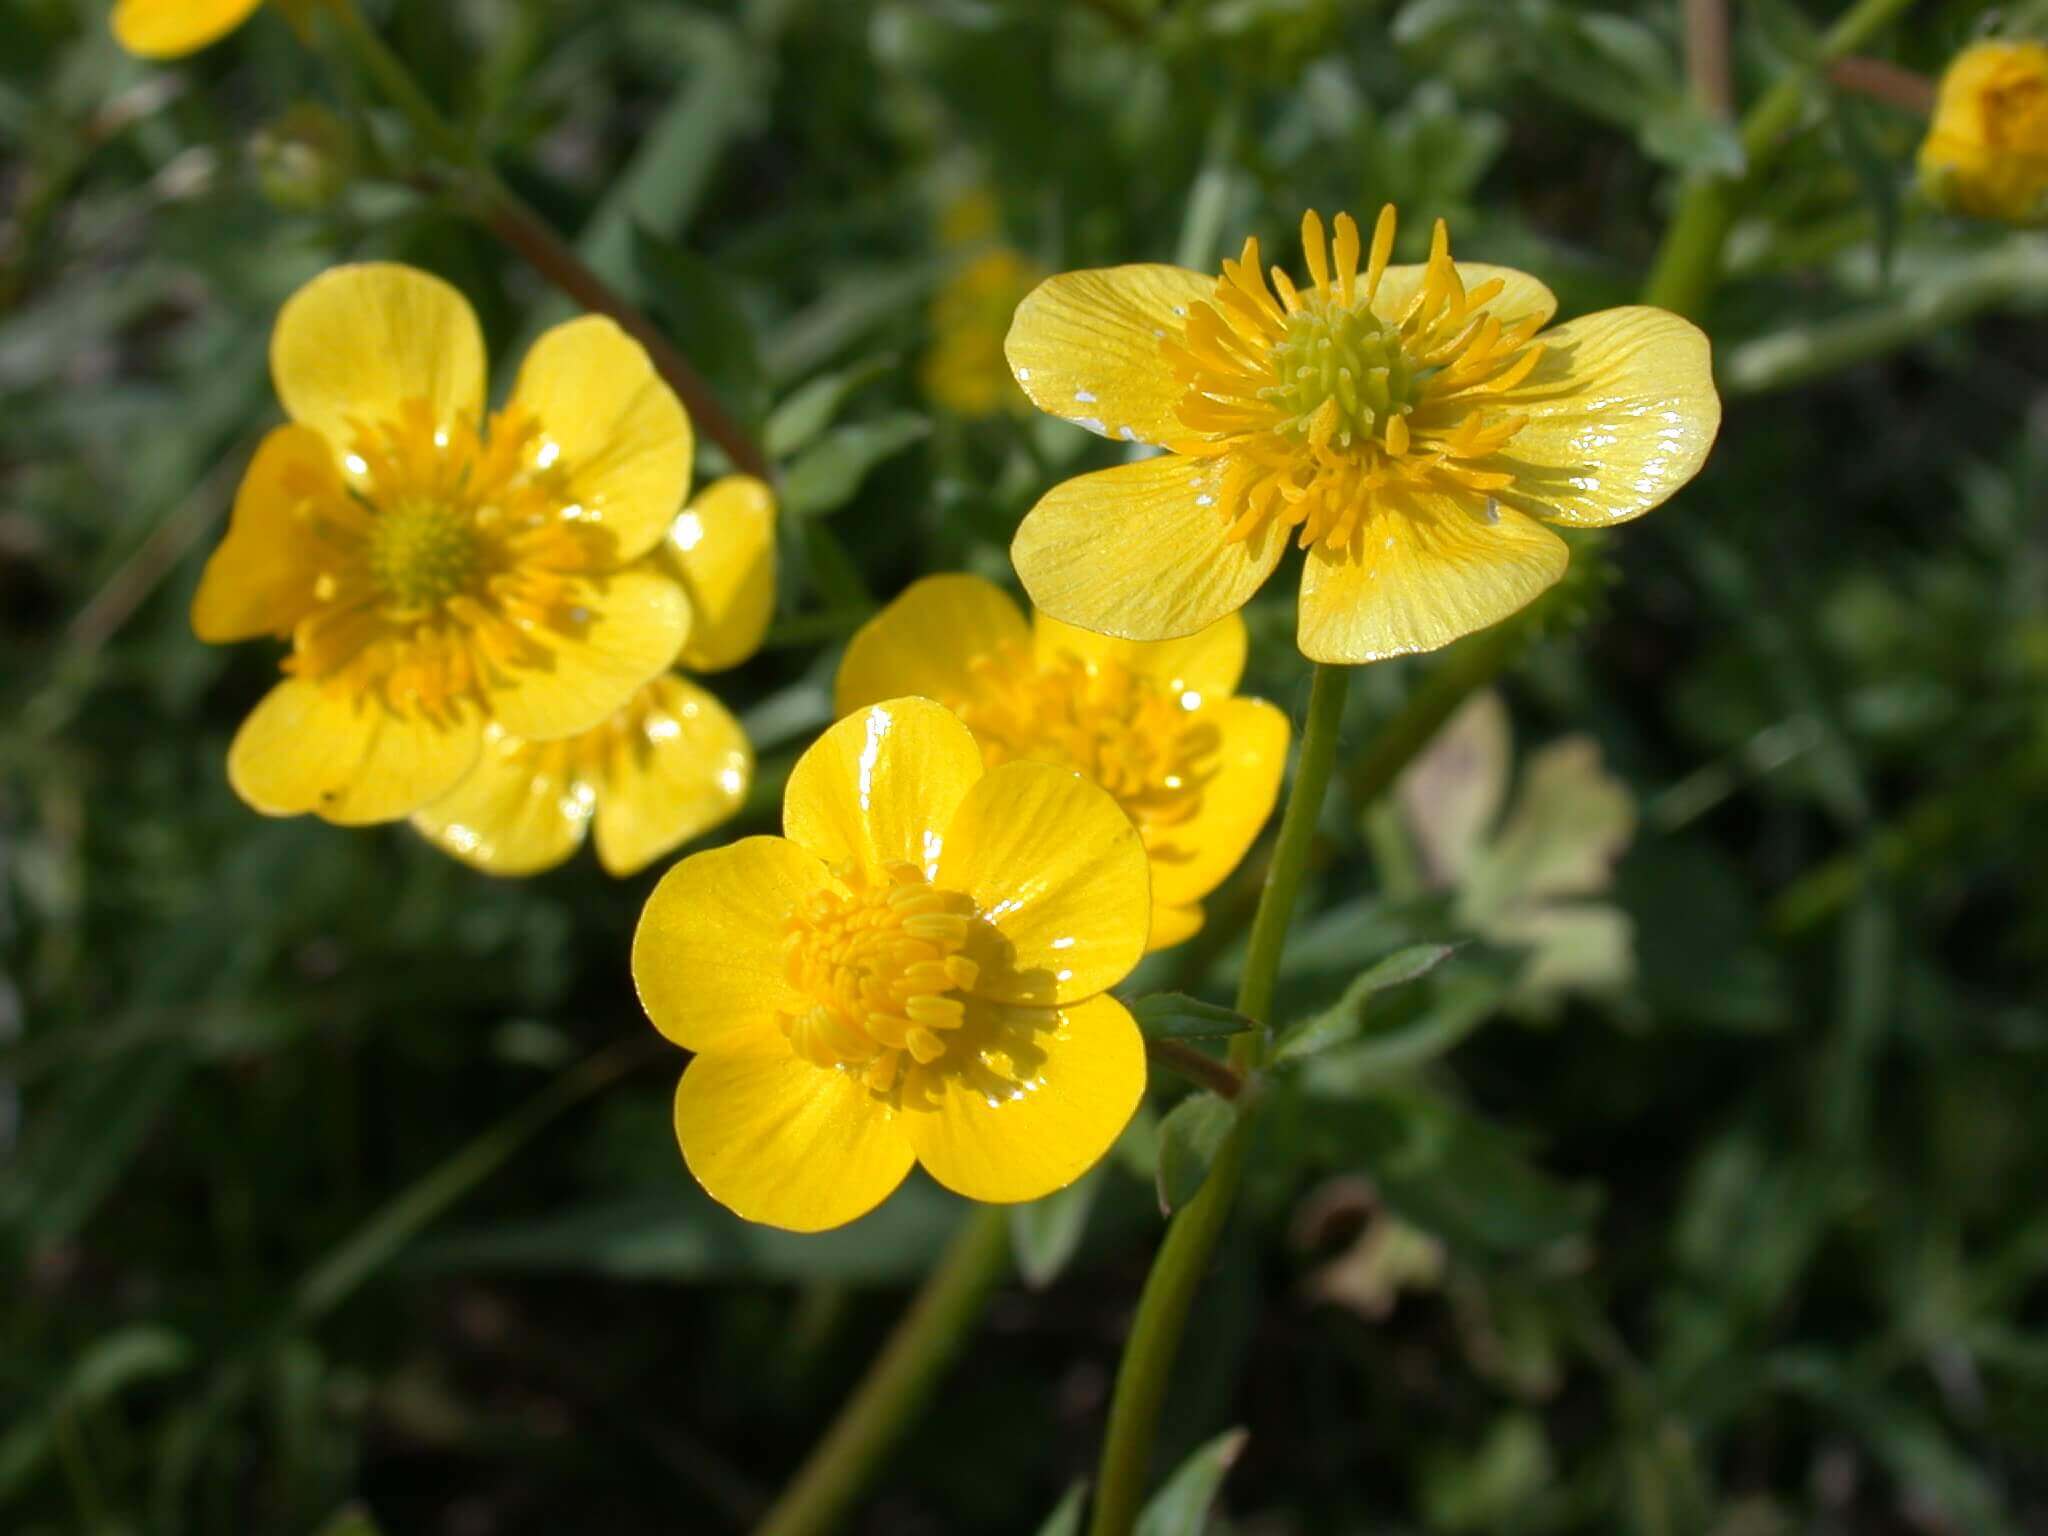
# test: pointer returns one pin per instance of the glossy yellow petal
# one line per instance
(620, 432)
(1085, 347)
(1048, 1094)
(722, 548)
(1173, 925)
(522, 809)
(1421, 573)
(781, 1141)
(882, 785)
(1138, 551)
(349, 760)
(707, 954)
(164, 29)
(616, 632)
(1520, 297)
(357, 342)
(922, 644)
(1206, 664)
(1059, 875)
(260, 580)
(681, 769)
(1621, 412)
(1191, 858)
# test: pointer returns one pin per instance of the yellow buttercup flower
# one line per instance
(964, 372)
(669, 766)
(914, 972)
(436, 572)
(1406, 425)
(1195, 769)
(165, 29)
(1986, 150)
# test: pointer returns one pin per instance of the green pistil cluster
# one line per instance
(1346, 355)
(423, 552)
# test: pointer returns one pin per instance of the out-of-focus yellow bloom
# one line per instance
(434, 571)
(165, 29)
(669, 766)
(1403, 424)
(1195, 769)
(1986, 151)
(915, 972)
(964, 372)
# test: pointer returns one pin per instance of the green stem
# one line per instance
(1183, 1258)
(1688, 263)
(899, 1383)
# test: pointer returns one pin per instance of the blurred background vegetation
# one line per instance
(1698, 1190)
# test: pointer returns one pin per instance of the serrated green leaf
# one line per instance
(1044, 1234)
(825, 477)
(1181, 1507)
(813, 406)
(1343, 1022)
(1176, 1016)
(1189, 1139)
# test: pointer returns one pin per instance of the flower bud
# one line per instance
(1986, 152)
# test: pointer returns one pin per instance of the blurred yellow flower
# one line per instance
(164, 29)
(669, 766)
(915, 972)
(1403, 424)
(1196, 770)
(1986, 151)
(435, 572)
(964, 372)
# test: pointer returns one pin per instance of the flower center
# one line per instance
(1349, 357)
(423, 550)
(880, 963)
(1106, 722)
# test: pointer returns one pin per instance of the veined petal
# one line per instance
(165, 29)
(1138, 551)
(357, 342)
(1520, 297)
(260, 580)
(683, 769)
(1621, 412)
(882, 785)
(1422, 571)
(779, 1140)
(1206, 664)
(707, 954)
(1191, 858)
(621, 432)
(923, 642)
(617, 631)
(1085, 347)
(1173, 925)
(1047, 1094)
(521, 810)
(350, 759)
(1059, 875)
(722, 548)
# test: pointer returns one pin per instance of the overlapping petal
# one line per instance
(358, 342)
(614, 633)
(682, 770)
(1085, 347)
(260, 580)
(882, 785)
(1206, 664)
(1048, 1094)
(1191, 858)
(351, 759)
(620, 432)
(1138, 551)
(787, 1143)
(522, 809)
(722, 548)
(166, 29)
(707, 954)
(1059, 875)
(925, 641)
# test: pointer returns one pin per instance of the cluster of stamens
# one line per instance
(1111, 725)
(445, 561)
(1315, 404)
(880, 962)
